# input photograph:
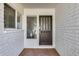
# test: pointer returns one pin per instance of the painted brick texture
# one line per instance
(67, 29)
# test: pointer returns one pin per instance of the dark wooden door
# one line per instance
(45, 31)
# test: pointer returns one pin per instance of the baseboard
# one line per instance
(41, 46)
(58, 52)
(21, 52)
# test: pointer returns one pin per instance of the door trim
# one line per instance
(53, 31)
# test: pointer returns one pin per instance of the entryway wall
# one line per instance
(67, 29)
(34, 43)
(11, 41)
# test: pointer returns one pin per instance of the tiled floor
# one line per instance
(39, 52)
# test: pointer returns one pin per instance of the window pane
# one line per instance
(9, 17)
(31, 27)
(19, 21)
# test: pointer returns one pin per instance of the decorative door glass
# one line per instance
(31, 27)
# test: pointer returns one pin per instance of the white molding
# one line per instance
(53, 29)
(34, 43)
(16, 19)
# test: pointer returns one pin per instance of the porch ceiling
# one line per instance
(39, 5)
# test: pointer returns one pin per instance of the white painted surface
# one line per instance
(11, 40)
(1, 17)
(39, 5)
(11, 44)
(67, 29)
(34, 43)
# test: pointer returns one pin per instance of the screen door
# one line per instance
(45, 30)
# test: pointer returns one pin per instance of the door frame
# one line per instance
(53, 30)
(35, 42)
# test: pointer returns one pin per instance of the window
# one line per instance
(31, 27)
(9, 16)
(19, 21)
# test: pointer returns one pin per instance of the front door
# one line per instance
(45, 30)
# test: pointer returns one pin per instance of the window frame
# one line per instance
(11, 28)
(20, 21)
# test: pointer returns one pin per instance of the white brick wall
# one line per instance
(11, 44)
(1, 17)
(67, 29)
